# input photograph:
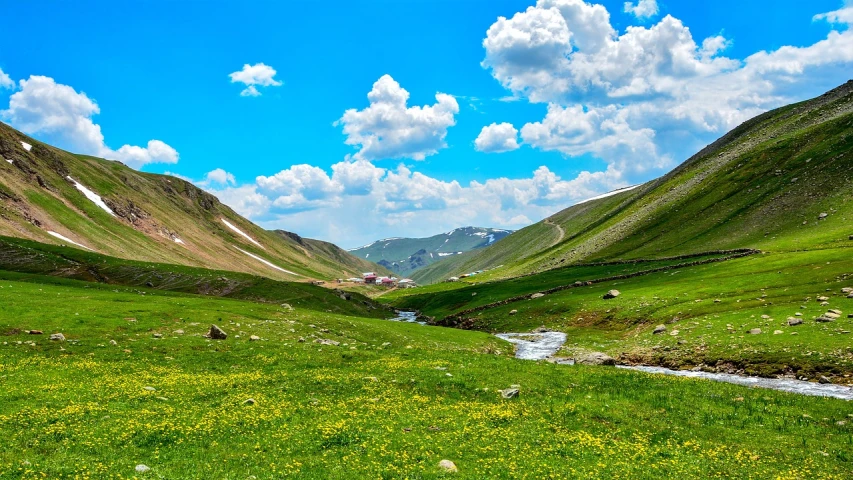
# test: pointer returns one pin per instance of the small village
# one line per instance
(372, 278)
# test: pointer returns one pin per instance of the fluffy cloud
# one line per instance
(643, 8)
(497, 138)
(253, 76)
(360, 202)
(653, 94)
(42, 106)
(388, 128)
(5, 80)
(220, 177)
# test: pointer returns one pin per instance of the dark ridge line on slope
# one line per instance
(637, 260)
(455, 319)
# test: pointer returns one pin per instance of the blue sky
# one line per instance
(160, 70)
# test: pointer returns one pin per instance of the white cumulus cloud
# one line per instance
(497, 138)
(642, 9)
(43, 106)
(360, 202)
(5, 80)
(388, 128)
(644, 98)
(254, 76)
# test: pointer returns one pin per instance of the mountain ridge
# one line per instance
(761, 180)
(404, 256)
(53, 196)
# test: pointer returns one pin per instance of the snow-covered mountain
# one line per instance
(406, 255)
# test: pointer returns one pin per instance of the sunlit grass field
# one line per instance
(389, 401)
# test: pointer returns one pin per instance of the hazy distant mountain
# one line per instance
(406, 255)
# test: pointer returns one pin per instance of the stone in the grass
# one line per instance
(755, 331)
(58, 337)
(142, 468)
(794, 321)
(216, 333)
(448, 466)
(659, 329)
(611, 294)
(509, 393)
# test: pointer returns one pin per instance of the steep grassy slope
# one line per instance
(708, 310)
(136, 383)
(764, 185)
(405, 256)
(25, 259)
(155, 218)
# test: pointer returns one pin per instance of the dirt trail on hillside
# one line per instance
(560, 230)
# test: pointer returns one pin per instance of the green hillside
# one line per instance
(309, 394)
(25, 260)
(406, 256)
(145, 217)
(782, 181)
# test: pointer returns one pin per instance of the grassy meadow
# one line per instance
(136, 383)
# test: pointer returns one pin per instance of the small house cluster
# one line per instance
(371, 278)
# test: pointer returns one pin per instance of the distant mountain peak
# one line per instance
(406, 255)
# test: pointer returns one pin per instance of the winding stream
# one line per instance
(408, 317)
(540, 346)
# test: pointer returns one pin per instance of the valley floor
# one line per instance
(333, 396)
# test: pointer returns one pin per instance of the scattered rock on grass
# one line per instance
(537, 295)
(216, 333)
(509, 393)
(326, 341)
(778, 332)
(58, 337)
(755, 331)
(611, 294)
(448, 466)
(659, 329)
(513, 312)
(595, 358)
(254, 338)
(824, 319)
(249, 401)
(35, 332)
(794, 321)
(142, 468)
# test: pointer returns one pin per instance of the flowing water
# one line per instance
(408, 317)
(535, 346)
(539, 346)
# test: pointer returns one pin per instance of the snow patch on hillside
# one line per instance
(94, 197)
(10, 161)
(367, 256)
(66, 239)
(491, 238)
(269, 264)
(240, 232)
(608, 194)
(26, 146)
(178, 240)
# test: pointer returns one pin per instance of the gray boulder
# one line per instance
(794, 321)
(659, 329)
(537, 295)
(611, 294)
(58, 337)
(755, 331)
(509, 393)
(595, 358)
(216, 333)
